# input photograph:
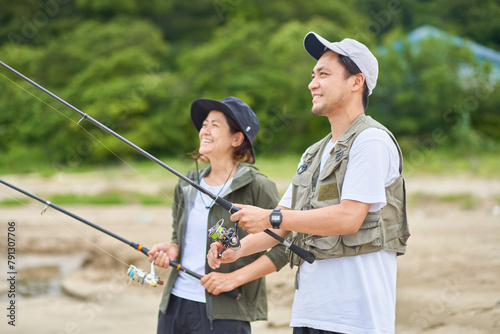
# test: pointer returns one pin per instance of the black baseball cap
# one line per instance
(234, 108)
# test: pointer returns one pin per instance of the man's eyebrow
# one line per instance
(321, 68)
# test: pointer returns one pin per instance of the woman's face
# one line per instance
(216, 140)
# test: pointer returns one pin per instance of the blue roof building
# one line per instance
(481, 52)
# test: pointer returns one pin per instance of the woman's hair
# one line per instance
(242, 153)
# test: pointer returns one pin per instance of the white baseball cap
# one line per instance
(365, 60)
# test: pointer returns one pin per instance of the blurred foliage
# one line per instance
(430, 92)
(137, 66)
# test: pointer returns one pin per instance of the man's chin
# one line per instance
(316, 110)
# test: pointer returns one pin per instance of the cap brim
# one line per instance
(200, 109)
(316, 45)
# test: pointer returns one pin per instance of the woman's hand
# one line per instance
(227, 257)
(163, 253)
(217, 283)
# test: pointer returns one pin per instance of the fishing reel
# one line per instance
(228, 238)
(139, 275)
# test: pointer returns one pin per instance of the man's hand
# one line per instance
(251, 218)
(163, 253)
(227, 257)
(217, 283)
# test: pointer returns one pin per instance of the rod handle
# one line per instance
(235, 294)
(302, 253)
(143, 250)
(226, 205)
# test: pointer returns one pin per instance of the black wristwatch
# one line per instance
(275, 218)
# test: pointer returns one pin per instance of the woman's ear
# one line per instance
(238, 139)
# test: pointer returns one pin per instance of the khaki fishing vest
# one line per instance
(386, 229)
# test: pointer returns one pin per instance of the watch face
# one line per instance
(275, 218)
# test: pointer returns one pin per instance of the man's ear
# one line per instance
(238, 139)
(359, 80)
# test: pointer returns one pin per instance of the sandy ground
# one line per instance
(448, 282)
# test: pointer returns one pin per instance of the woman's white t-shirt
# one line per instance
(195, 244)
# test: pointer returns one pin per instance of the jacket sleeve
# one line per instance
(176, 209)
(267, 197)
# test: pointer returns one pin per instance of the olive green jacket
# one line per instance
(248, 187)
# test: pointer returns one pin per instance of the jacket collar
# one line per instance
(241, 178)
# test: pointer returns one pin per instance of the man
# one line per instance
(346, 204)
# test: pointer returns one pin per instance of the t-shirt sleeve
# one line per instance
(373, 164)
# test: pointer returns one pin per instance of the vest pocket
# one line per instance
(323, 247)
(369, 233)
(332, 165)
(304, 179)
(301, 189)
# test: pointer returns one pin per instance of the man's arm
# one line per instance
(251, 244)
(340, 219)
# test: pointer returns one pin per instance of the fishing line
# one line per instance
(306, 255)
(133, 273)
(96, 139)
(61, 224)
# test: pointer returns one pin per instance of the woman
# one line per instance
(226, 132)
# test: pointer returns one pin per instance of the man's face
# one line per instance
(328, 86)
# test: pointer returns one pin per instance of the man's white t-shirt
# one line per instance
(355, 294)
(195, 244)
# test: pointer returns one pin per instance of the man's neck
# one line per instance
(341, 121)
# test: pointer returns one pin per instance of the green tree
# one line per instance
(423, 89)
(137, 66)
(105, 75)
(477, 20)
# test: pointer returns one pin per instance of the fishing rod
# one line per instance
(133, 272)
(233, 241)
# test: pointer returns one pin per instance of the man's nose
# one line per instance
(313, 84)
